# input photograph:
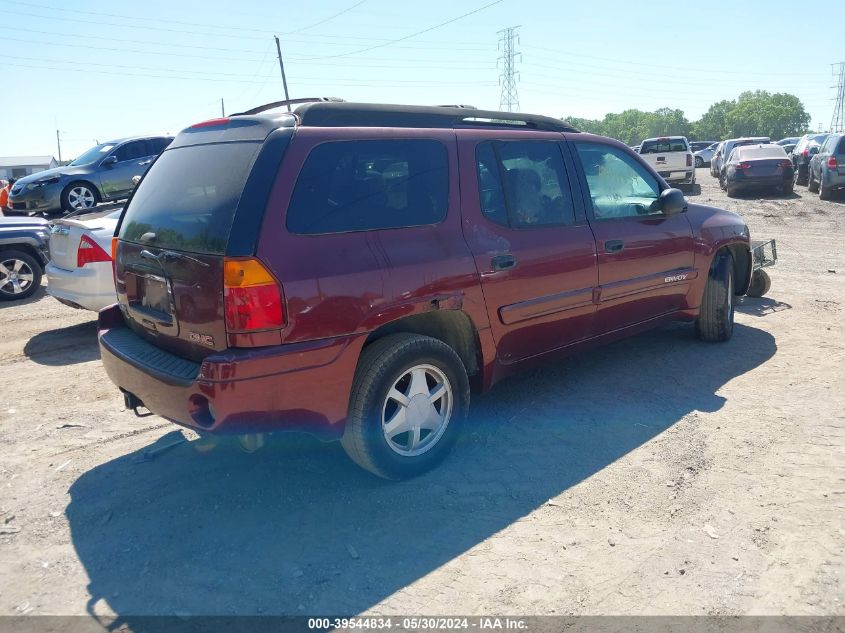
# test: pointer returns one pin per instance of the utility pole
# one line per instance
(282, 67)
(59, 143)
(508, 38)
(837, 123)
(222, 108)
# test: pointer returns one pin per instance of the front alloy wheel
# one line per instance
(80, 197)
(20, 275)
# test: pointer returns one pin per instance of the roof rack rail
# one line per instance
(344, 114)
(288, 102)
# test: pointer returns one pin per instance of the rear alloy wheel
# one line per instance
(78, 196)
(409, 400)
(812, 185)
(20, 275)
(699, 162)
(716, 317)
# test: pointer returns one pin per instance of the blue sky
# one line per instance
(100, 69)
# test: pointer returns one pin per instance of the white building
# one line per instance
(20, 166)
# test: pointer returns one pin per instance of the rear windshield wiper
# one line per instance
(170, 255)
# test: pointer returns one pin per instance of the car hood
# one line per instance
(56, 171)
(22, 223)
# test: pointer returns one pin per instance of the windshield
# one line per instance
(94, 154)
(188, 198)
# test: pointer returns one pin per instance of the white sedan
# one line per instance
(80, 270)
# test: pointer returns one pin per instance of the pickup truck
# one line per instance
(671, 157)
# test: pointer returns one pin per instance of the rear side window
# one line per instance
(841, 148)
(188, 198)
(347, 186)
(131, 151)
(664, 145)
(523, 184)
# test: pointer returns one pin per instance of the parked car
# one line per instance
(79, 273)
(671, 157)
(703, 156)
(806, 148)
(103, 173)
(725, 148)
(24, 244)
(757, 167)
(636, 148)
(697, 146)
(827, 167)
(790, 140)
(461, 251)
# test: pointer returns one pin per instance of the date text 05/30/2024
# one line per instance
(417, 624)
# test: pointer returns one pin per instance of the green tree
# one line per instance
(713, 123)
(762, 113)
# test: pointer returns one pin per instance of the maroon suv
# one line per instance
(357, 270)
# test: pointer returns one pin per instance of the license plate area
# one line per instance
(150, 301)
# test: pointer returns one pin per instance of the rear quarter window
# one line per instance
(347, 186)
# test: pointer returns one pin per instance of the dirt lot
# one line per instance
(658, 475)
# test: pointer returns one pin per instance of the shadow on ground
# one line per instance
(299, 529)
(35, 297)
(761, 306)
(64, 346)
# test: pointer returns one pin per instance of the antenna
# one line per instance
(508, 38)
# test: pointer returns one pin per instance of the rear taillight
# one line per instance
(831, 162)
(805, 153)
(252, 297)
(90, 252)
(785, 163)
(210, 123)
(744, 166)
(689, 160)
(114, 242)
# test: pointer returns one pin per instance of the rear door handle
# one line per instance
(614, 246)
(503, 262)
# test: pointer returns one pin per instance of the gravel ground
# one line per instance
(658, 475)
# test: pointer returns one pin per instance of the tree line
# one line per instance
(757, 113)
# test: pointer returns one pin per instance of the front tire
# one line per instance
(409, 400)
(20, 275)
(715, 321)
(78, 196)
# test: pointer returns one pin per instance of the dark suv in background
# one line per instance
(357, 270)
(103, 173)
(826, 172)
(803, 151)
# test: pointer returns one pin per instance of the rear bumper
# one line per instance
(679, 177)
(762, 182)
(294, 387)
(833, 179)
(89, 288)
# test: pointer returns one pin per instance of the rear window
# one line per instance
(347, 186)
(664, 145)
(188, 198)
(751, 152)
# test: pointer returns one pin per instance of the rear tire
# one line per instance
(413, 369)
(20, 275)
(800, 176)
(699, 162)
(761, 283)
(715, 321)
(788, 189)
(825, 193)
(812, 185)
(732, 191)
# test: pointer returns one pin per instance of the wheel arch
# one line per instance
(451, 326)
(743, 265)
(24, 247)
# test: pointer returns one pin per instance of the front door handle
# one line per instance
(503, 262)
(614, 246)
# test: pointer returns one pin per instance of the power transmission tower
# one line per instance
(837, 123)
(508, 39)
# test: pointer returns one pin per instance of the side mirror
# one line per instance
(109, 160)
(672, 201)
